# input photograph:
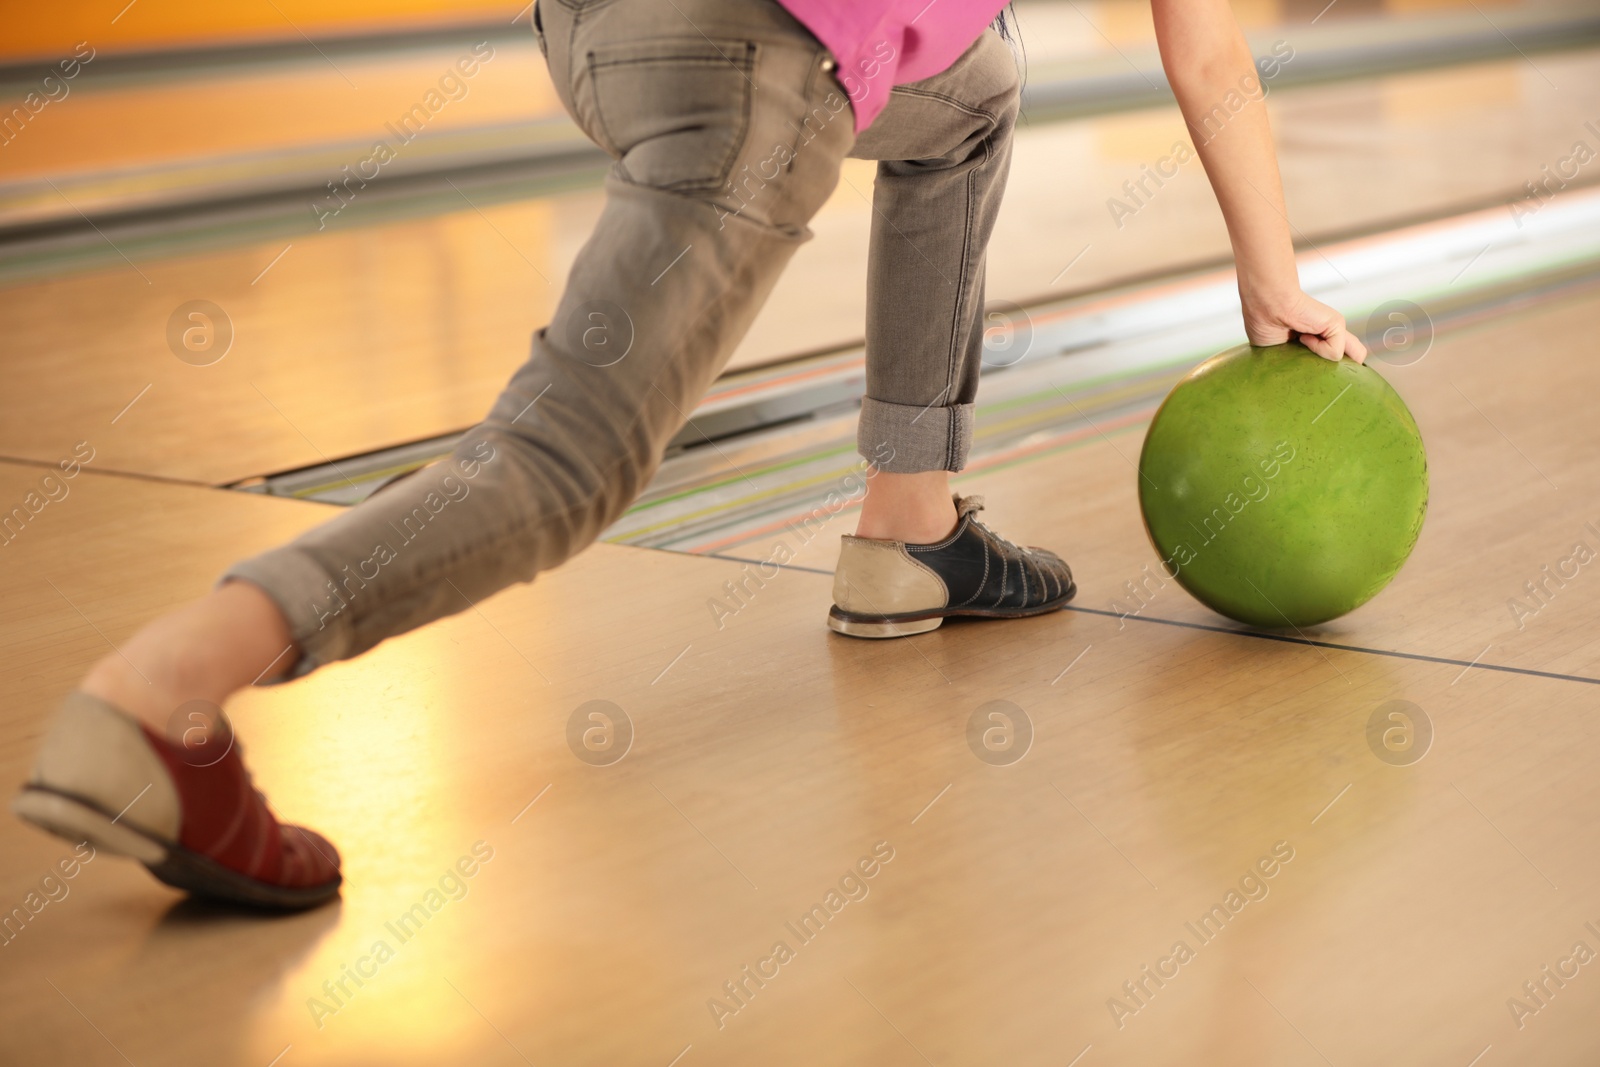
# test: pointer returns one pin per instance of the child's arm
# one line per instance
(1206, 58)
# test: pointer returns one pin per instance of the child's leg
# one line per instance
(920, 556)
(714, 185)
(945, 151)
(711, 194)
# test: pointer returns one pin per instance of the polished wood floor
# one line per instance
(1381, 911)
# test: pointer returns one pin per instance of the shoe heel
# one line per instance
(882, 627)
(75, 822)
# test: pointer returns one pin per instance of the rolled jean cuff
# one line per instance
(906, 439)
(305, 593)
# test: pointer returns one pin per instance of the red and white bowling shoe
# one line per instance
(185, 811)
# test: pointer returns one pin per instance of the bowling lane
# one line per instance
(367, 336)
(767, 759)
(143, 124)
(1501, 405)
(285, 97)
(33, 32)
(147, 124)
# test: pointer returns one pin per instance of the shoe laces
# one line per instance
(969, 508)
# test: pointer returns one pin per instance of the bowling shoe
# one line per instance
(894, 589)
(187, 812)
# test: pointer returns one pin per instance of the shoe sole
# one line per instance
(852, 624)
(76, 819)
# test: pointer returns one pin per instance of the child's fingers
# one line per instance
(1354, 348)
(1322, 346)
(1265, 335)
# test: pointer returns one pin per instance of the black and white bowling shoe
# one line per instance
(895, 589)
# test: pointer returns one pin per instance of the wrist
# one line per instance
(1267, 271)
(1273, 291)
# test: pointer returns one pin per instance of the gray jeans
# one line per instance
(728, 128)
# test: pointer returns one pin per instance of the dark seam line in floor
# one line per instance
(1285, 638)
(1343, 648)
(768, 563)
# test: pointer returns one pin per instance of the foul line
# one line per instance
(1285, 638)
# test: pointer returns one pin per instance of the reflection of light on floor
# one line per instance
(373, 754)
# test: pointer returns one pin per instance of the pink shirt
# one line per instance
(883, 43)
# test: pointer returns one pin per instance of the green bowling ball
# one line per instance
(1281, 489)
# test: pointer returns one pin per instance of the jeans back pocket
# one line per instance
(675, 112)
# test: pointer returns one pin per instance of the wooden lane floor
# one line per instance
(989, 901)
(366, 336)
(221, 116)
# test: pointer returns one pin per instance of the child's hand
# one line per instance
(1272, 321)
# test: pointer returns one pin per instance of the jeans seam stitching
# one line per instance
(963, 296)
(968, 109)
(743, 65)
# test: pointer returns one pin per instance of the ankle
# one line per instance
(204, 651)
(915, 508)
(147, 688)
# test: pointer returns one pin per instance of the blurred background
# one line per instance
(376, 201)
